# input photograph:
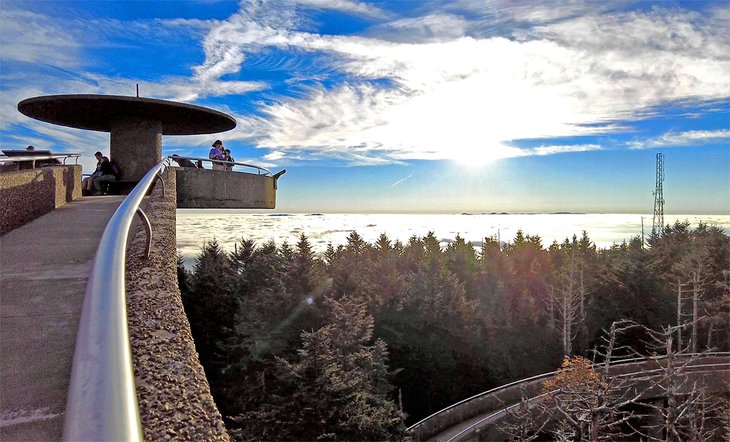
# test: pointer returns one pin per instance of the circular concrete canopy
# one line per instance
(98, 112)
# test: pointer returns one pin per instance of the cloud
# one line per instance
(448, 80)
(551, 150)
(435, 26)
(35, 38)
(274, 155)
(574, 73)
(687, 138)
(352, 7)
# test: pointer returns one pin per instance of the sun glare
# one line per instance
(473, 156)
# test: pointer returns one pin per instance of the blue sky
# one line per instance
(406, 106)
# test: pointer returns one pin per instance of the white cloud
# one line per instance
(687, 138)
(451, 98)
(274, 155)
(436, 26)
(353, 7)
(35, 38)
(448, 89)
(551, 150)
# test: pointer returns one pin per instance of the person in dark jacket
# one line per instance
(106, 171)
(183, 162)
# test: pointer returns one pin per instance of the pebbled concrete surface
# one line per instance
(174, 395)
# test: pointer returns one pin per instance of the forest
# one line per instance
(368, 338)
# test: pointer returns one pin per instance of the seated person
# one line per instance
(86, 185)
(108, 173)
(183, 162)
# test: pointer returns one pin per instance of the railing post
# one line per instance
(162, 181)
(148, 230)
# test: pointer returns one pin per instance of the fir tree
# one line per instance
(337, 388)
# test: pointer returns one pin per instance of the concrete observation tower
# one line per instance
(136, 126)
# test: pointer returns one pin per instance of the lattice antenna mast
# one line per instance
(657, 224)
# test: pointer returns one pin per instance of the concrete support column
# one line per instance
(135, 146)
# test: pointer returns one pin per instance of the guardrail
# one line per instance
(230, 164)
(33, 158)
(427, 427)
(102, 400)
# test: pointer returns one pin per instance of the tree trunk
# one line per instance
(594, 427)
(679, 315)
(695, 302)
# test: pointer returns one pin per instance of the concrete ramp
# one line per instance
(218, 189)
(44, 266)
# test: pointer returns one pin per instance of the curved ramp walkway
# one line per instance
(462, 420)
(44, 266)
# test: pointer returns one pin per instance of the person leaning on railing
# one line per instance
(183, 162)
(218, 153)
(229, 158)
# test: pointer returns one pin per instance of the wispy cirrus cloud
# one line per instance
(445, 80)
(349, 6)
(574, 73)
(684, 139)
(552, 150)
(47, 54)
(35, 38)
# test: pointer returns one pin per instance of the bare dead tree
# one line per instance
(590, 404)
(599, 402)
(564, 305)
(564, 301)
(526, 420)
(688, 412)
(567, 298)
(719, 312)
(694, 267)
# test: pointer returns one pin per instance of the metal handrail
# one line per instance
(549, 375)
(34, 158)
(102, 400)
(226, 163)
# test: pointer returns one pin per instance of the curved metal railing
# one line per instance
(465, 432)
(102, 401)
(33, 158)
(413, 429)
(225, 163)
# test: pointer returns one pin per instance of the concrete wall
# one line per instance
(174, 396)
(28, 194)
(204, 188)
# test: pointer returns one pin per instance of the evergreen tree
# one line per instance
(183, 276)
(337, 388)
(211, 308)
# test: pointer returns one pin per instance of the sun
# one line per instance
(478, 156)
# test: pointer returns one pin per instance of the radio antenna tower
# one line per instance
(657, 224)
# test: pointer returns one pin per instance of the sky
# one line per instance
(407, 106)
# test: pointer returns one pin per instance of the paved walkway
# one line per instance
(44, 266)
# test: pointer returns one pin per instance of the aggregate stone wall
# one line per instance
(220, 189)
(28, 194)
(174, 396)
